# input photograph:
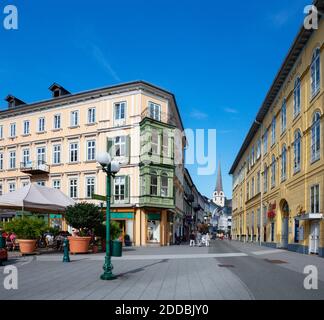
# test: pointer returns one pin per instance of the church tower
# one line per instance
(219, 196)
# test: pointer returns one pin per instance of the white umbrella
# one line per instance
(36, 198)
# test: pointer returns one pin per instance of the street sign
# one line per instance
(99, 197)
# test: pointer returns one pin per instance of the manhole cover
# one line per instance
(275, 261)
(226, 266)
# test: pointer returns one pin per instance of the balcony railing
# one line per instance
(34, 167)
(159, 116)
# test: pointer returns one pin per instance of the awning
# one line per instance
(310, 216)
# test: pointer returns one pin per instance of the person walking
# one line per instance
(192, 239)
(207, 240)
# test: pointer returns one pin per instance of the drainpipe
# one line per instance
(261, 183)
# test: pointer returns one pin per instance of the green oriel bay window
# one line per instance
(157, 164)
(157, 187)
(157, 142)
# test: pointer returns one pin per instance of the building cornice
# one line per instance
(285, 69)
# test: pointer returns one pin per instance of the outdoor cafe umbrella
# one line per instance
(37, 199)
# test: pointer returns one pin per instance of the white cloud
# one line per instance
(198, 115)
(231, 110)
(100, 57)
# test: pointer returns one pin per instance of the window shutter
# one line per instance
(128, 149)
(110, 147)
(127, 196)
(112, 190)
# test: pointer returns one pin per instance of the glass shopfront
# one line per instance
(153, 234)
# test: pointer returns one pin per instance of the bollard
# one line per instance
(66, 250)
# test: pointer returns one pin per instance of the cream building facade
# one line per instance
(278, 175)
(54, 143)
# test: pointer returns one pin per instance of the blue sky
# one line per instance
(218, 58)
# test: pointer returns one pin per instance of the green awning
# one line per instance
(153, 216)
(122, 215)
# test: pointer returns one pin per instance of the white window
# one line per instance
(74, 118)
(315, 72)
(154, 183)
(12, 186)
(73, 188)
(12, 130)
(258, 186)
(297, 151)
(41, 183)
(119, 183)
(316, 137)
(1, 161)
(26, 127)
(297, 97)
(284, 163)
(91, 150)
(57, 121)
(90, 187)
(165, 143)
(259, 149)
(12, 159)
(315, 199)
(120, 113)
(155, 142)
(252, 187)
(273, 131)
(91, 115)
(57, 154)
(25, 183)
(41, 124)
(1, 132)
(41, 156)
(74, 147)
(57, 184)
(265, 179)
(26, 158)
(1, 189)
(265, 142)
(284, 116)
(164, 185)
(155, 111)
(273, 172)
(120, 146)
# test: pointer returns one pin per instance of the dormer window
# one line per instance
(58, 91)
(14, 102)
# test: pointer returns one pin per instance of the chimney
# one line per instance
(13, 101)
(58, 91)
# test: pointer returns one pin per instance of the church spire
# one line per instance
(219, 182)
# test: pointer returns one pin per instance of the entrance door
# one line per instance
(314, 238)
(285, 232)
(153, 231)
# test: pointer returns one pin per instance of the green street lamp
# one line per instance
(110, 168)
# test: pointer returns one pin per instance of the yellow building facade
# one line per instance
(278, 175)
(54, 143)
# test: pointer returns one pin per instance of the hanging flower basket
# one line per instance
(271, 215)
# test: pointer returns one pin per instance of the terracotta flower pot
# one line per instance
(79, 244)
(27, 246)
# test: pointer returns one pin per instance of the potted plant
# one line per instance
(27, 230)
(114, 232)
(85, 217)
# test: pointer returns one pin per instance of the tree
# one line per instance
(84, 216)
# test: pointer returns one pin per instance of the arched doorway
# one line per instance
(284, 209)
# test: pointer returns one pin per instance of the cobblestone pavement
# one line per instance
(226, 270)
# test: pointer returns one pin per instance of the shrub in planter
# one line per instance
(27, 230)
(115, 232)
(85, 217)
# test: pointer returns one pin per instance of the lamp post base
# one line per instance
(108, 267)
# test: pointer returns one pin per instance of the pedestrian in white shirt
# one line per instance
(207, 240)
